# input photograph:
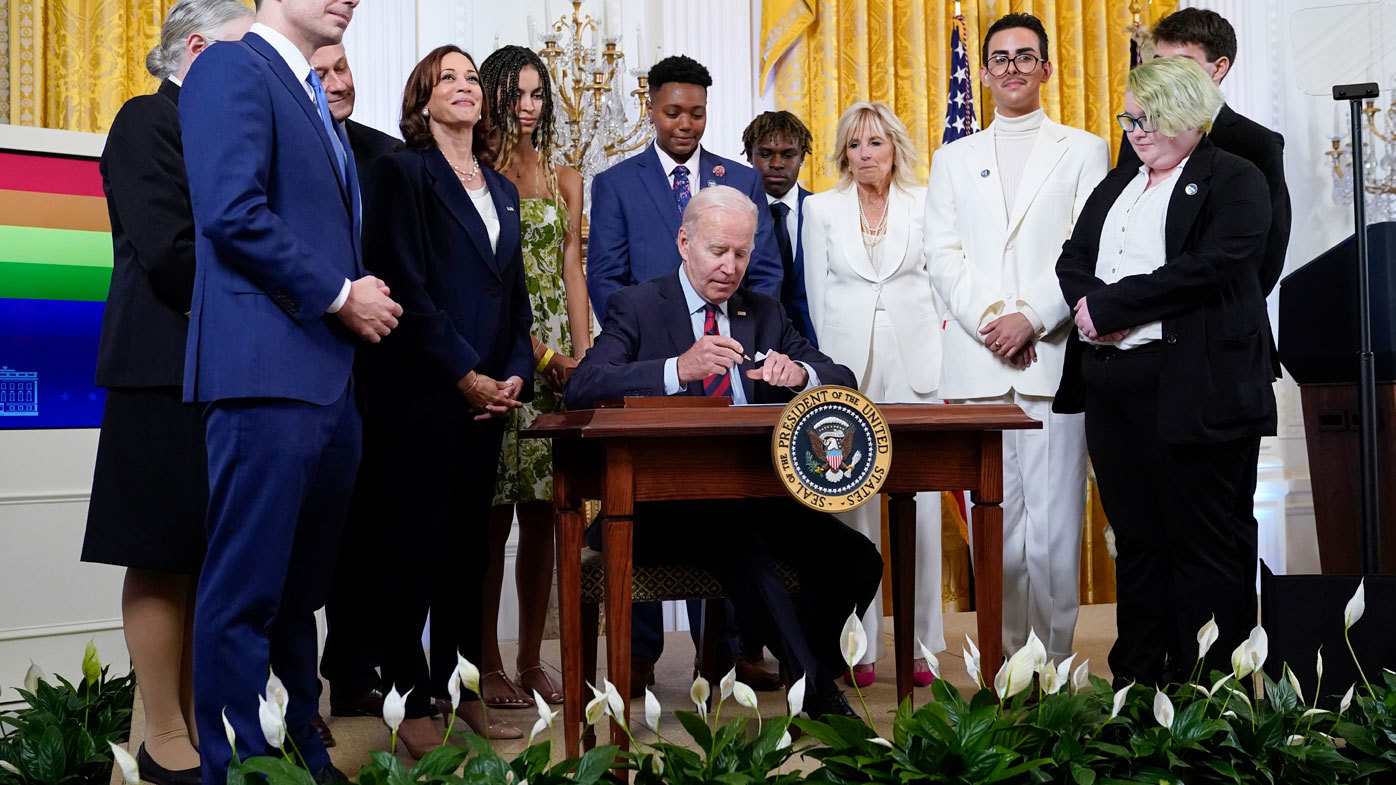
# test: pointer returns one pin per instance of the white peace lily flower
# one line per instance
(1207, 636)
(699, 694)
(1218, 685)
(1316, 712)
(881, 742)
(652, 711)
(394, 708)
(1241, 661)
(929, 657)
(972, 648)
(972, 667)
(1240, 693)
(1039, 652)
(1001, 680)
(1294, 682)
(1346, 701)
(13, 769)
(1356, 606)
(615, 704)
(538, 727)
(453, 687)
(1295, 741)
(596, 708)
(129, 770)
(228, 731)
(1229, 713)
(784, 741)
(1163, 709)
(796, 697)
(1081, 677)
(33, 676)
(1318, 667)
(1048, 678)
(545, 717)
(745, 695)
(469, 674)
(273, 724)
(276, 692)
(1063, 676)
(1200, 689)
(855, 640)
(1120, 700)
(1019, 670)
(1258, 647)
(726, 684)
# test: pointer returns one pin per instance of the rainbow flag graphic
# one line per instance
(55, 268)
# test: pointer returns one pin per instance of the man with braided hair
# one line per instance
(776, 144)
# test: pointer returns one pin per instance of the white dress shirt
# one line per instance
(300, 68)
(1132, 242)
(696, 317)
(792, 218)
(694, 160)
(484, 205)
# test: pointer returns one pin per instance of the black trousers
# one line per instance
(1182, 516)
(740, 541)
(358, 603)
(432, 488)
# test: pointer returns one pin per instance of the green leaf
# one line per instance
(595, 763)
(278, 771)
(439, 762)
(697, 729)
(48, 759)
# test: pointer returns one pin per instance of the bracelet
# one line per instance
(547, 358)
(472, 385)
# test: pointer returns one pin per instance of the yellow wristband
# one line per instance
(547, 358)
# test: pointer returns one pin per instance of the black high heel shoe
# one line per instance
(155, 774)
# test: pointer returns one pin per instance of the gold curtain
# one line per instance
(73, 63)
(825, 54)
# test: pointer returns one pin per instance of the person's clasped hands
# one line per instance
(490, 397)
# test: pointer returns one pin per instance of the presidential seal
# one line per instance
(832, 448)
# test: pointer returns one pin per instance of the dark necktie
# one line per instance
(779, 212)
(681, 192)
(718, 383)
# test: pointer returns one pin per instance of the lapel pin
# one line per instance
(1190, 189)
(741, 313)
(984, 173)
(509, 208)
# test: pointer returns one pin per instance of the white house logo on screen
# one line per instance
(832, 448)
(19, 393)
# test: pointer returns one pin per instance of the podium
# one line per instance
(1319, 349)
(627, 455)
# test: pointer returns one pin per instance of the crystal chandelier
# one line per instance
(593, 128)
(1378, 160)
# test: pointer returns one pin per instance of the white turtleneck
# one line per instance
(1013, 141)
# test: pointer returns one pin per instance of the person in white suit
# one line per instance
(865, 279)
(1001, 203)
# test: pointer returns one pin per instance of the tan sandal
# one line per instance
(552, 694)
(517, 699)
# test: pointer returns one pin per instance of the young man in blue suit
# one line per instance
(689, 332)
(281, 301)
(776, 144)
(636, 205)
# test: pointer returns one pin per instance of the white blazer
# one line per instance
(843, 289)
(985, 261)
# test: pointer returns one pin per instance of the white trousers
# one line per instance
(1044, 504)
(884, 382)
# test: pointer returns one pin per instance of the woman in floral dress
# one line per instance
(551, 206)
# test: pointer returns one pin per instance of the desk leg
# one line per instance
(988, 554)
(570, 522)
(902, 528)
(618, 542)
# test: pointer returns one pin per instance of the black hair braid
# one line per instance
(499, 77)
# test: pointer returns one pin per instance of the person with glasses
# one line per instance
(1170, 361)
(1000, 204)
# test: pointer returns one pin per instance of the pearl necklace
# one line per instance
(876, 233)
(466, 177)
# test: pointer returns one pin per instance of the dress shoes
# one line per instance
(328, 774)
(755, 676)
(369, 704)
(323, 730)
(833, 703)
(641, 676)
(155, 774)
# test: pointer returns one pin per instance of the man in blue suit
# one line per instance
(776, 144)
(636, 205)
(280, 302)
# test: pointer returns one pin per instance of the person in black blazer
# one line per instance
(685, 333)
(1170, 362)
(150, 485)
(442, 229)
(353, 649)
(776, 144)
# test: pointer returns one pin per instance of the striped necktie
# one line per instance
(718, 383)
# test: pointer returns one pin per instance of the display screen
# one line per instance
(55, 269)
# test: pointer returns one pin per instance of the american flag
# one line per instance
(959, 105)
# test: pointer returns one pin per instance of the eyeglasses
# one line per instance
(1025, 63)
(1129, 122)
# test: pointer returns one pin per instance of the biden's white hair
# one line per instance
(715, 197)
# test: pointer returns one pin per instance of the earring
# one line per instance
(425, 113)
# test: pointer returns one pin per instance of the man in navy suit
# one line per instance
(280, 302)
(689, 332)
(636, 205)
(776, 144)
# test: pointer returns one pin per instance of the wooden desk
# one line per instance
(623, 456)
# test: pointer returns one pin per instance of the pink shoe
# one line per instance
(922, 678)
(863, 678)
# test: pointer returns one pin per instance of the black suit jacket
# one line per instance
(368, 144)
(648, 323)
(1240, 135)
(465, 307)
(1215, 382)
(152, 225)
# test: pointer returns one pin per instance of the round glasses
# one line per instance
(1025, 63)
(1129, 122)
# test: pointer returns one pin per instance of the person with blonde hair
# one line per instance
(873, 308)
(1170, 360)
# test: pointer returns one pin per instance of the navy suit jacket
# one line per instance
(635, 225)
(649, 323)
(276, 232)
(465, 306)
(793, 294)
